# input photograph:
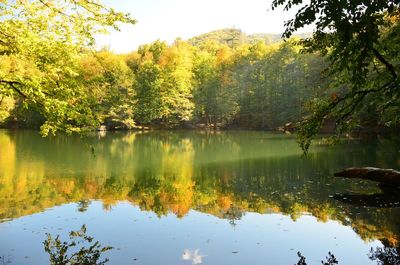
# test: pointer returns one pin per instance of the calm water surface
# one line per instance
(195, 198)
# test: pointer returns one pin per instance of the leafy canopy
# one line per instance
(40, 42)
(361, 40)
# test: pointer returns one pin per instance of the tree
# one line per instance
(41, 41)
(163, 82)
(205, 81)
(148, 81)
(148, 93)
(176, 64)
(215, 98)
(108, 82)
(361, 40)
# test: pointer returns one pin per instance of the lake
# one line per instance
(188, 197)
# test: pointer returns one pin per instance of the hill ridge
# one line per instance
(233, 36)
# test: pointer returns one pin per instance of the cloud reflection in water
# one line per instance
(193, 255)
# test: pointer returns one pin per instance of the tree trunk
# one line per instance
(207, 119)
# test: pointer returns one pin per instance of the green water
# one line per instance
(193, 197)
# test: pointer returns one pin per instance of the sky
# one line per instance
(169, 19)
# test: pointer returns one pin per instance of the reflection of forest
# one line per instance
(224, 174)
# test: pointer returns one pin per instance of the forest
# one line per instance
(52, 77)
(217, 80)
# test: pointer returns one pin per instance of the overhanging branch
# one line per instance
(12, 85)
(388, 65)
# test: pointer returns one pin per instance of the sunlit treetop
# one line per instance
(40, 42)
(68, 20)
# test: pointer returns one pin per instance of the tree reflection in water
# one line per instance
(224, 174)
(88, 254)
(330, 260)
(382, 255)
(59, 254)
(386, 255)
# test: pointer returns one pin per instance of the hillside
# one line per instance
(237, 37)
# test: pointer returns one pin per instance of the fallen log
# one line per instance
(384, 176)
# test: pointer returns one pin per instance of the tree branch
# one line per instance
(352, 106)
(53, 8)
(388, 65)
(361, 94)
(12, 85)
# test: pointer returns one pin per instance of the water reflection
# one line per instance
(382, 255)
(193, 255)
(389, 198)
(223, 174)
(385, 255)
